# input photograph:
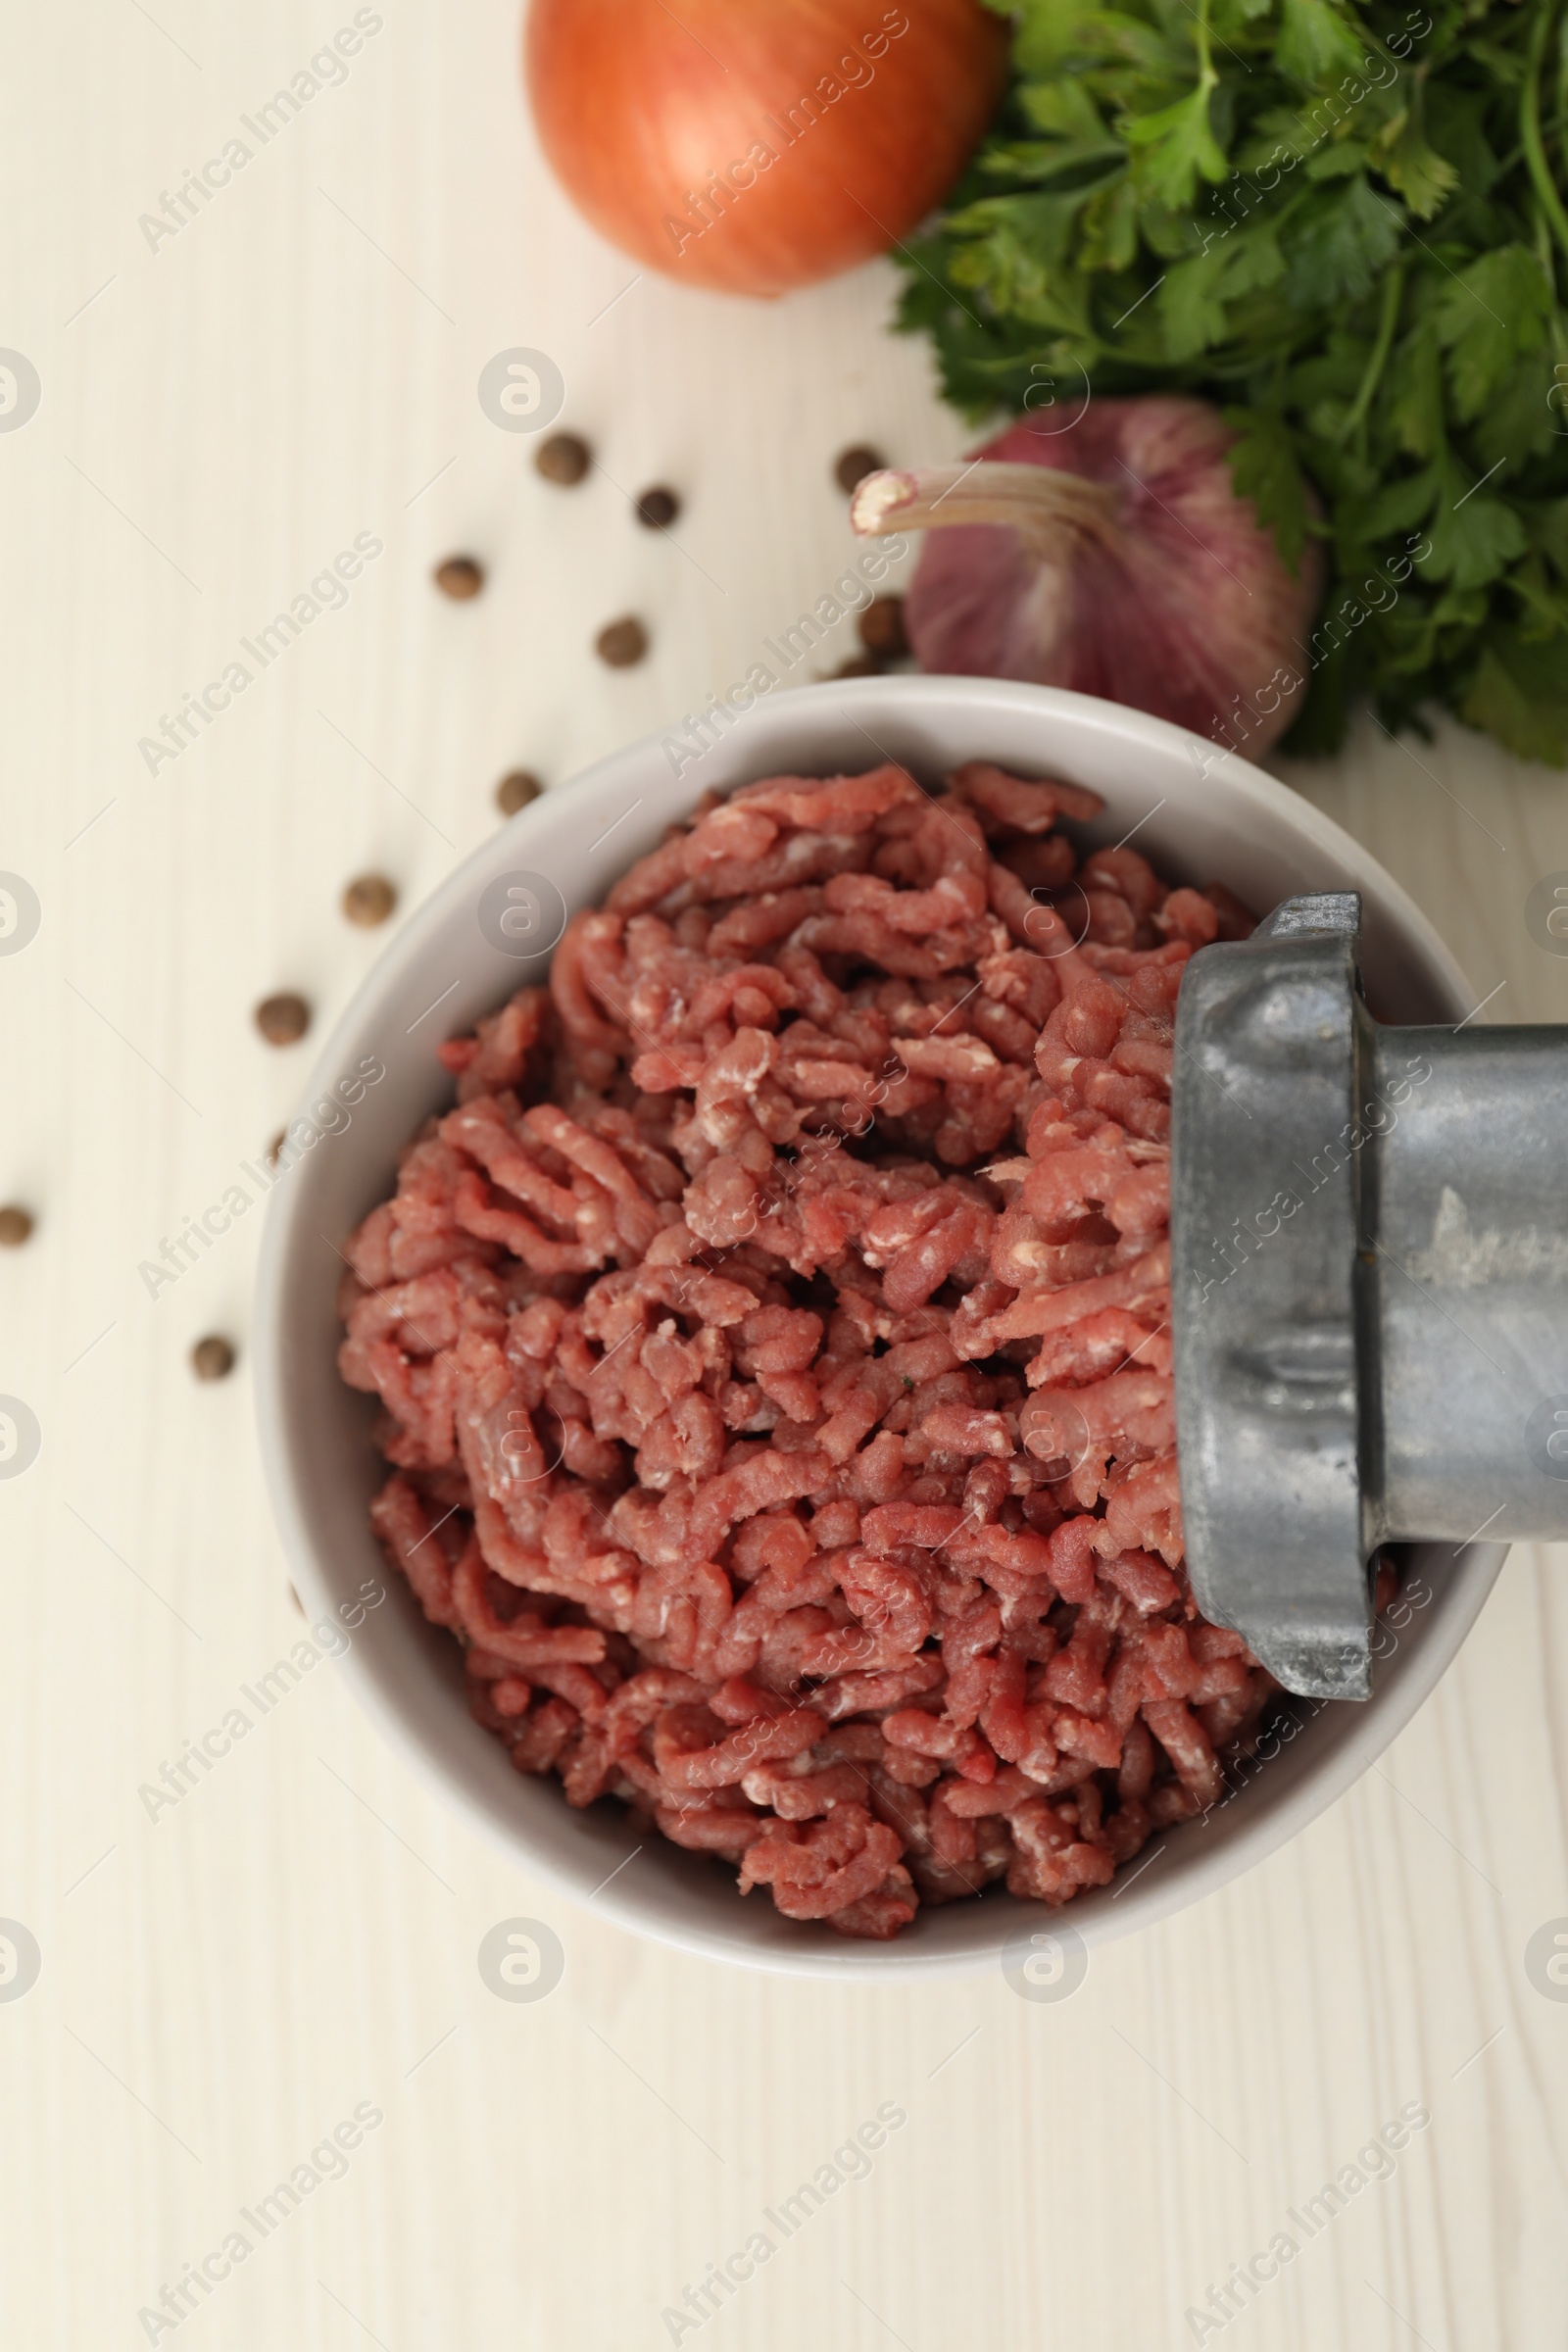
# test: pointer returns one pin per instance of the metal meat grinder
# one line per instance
(1369, 1250)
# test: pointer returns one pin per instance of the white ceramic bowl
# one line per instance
(1201, 817)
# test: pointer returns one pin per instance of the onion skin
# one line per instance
(637, 113)
(1157, 588)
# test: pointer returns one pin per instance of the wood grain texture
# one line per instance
(222, 1984)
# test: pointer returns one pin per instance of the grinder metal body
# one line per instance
(1369, 1262)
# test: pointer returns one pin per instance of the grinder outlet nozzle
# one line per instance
(1369, 1288)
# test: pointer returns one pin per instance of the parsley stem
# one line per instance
(1533, 144)
(1547, 260)
(1388, 323)
(1205, 56)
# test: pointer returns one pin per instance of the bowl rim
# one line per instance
(815, 707)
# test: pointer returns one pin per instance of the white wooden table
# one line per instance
(223, 411)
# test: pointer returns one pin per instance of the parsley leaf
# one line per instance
(1474, 540)
(1315, 41)
(1519, 692)
(1343, 245)
(1498, 308)
(1265, 468)
(1174, 146)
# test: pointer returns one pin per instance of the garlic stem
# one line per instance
(1044, 504)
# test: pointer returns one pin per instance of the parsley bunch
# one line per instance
(1346, 226)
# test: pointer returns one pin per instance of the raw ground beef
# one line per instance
(774, 1350)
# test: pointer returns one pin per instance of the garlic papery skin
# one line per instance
(1113, 556)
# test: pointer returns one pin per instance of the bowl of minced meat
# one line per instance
(757, 1341)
